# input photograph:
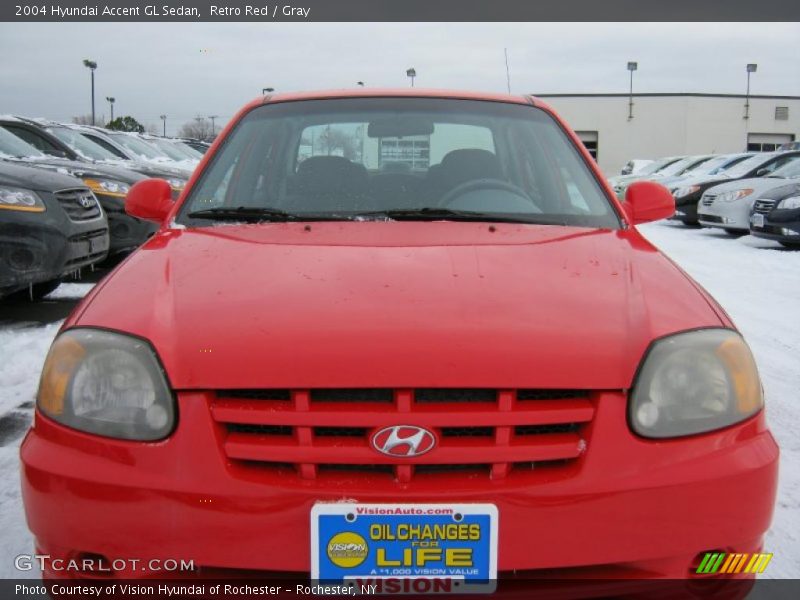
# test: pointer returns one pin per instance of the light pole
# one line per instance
(411, 74)
(265, 91)
(111, 101)
(164, 119)
(213, 130)
(91, 65)
(632, 66)
(751, 68)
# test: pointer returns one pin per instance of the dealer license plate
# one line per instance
(757, 220)
(405, 548)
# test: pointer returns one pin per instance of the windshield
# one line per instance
(138, 147)
(169, 149)
(726, 162)
(744, 167)
(404, 158)
(191, 152)
(790, 170)
(657, 165)
(80, 144)
(684, 164)
(11, 145)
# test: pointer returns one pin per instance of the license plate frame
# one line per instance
(472, 527)
(757, 220)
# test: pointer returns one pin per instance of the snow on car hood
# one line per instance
(395, 304)
(759, 185)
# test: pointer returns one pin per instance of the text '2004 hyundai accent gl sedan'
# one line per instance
(400, 334)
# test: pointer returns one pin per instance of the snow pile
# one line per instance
(68, 291)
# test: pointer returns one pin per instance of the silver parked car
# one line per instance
(728, 205)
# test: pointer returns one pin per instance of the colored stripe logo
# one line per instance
(721, 562)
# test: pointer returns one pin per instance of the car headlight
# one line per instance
(107, 187)
(694, 382)
(791, 202)
(685, 191)
(177, 184)
(734, 195)
(13, 198)
(108, 384)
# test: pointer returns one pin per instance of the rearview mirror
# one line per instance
(647, 201)
(150, 199)
(400, 126)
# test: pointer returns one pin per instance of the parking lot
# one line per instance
(755, 280)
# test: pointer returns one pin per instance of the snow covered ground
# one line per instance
(756, 281)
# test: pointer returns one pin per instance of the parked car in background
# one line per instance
(67, 141)
(789, 146)
(620, 183)
(728, 205)
(176, 150)
(313, 344)
(199, 145)
(108, 182)
(632, 167)
(688, 193)
(51, 225)
(776, 215)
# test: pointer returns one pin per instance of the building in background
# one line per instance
(676, 124)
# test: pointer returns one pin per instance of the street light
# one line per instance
(632, 66)
(91, 65)
(164, 119)
(267, 90)
(111, 100)
(213, 130)
(411, 74)
(751, 68)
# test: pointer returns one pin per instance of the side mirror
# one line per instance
(150, 199)
(647, 201)
(762, 171)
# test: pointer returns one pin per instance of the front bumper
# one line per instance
(39, 247)
(627, 503)
(727, 215)
(686, 213)
(778, 232)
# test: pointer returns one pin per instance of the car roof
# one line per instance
(394, 93)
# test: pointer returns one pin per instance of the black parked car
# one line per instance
(687, 193)
(50, 225)
(776, 215)
(110, 184)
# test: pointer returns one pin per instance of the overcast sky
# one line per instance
(189, 69)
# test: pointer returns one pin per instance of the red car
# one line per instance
(404, 338)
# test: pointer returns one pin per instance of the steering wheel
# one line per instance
(475, 185)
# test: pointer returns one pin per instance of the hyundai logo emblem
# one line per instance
(86, 201)
(403, 441)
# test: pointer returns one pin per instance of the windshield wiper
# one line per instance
(257, 214)
(447, 214)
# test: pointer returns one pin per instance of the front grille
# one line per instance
(80, 205)
(88, 246)
(711, 219)
(490, 431)
(708, 199)
(764, 206)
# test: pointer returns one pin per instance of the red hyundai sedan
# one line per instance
(403, 338)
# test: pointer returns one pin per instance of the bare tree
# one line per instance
(199, 128)
(82, 119)
(336, 141)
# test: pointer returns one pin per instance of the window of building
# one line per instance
(590, 139)
(767, 142)
(781, 113)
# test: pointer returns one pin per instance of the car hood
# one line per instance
(759, 185)
(394, 304)
(39, 180)
(148, 169)
(82, 169)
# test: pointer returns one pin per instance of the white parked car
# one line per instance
(728, 205)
